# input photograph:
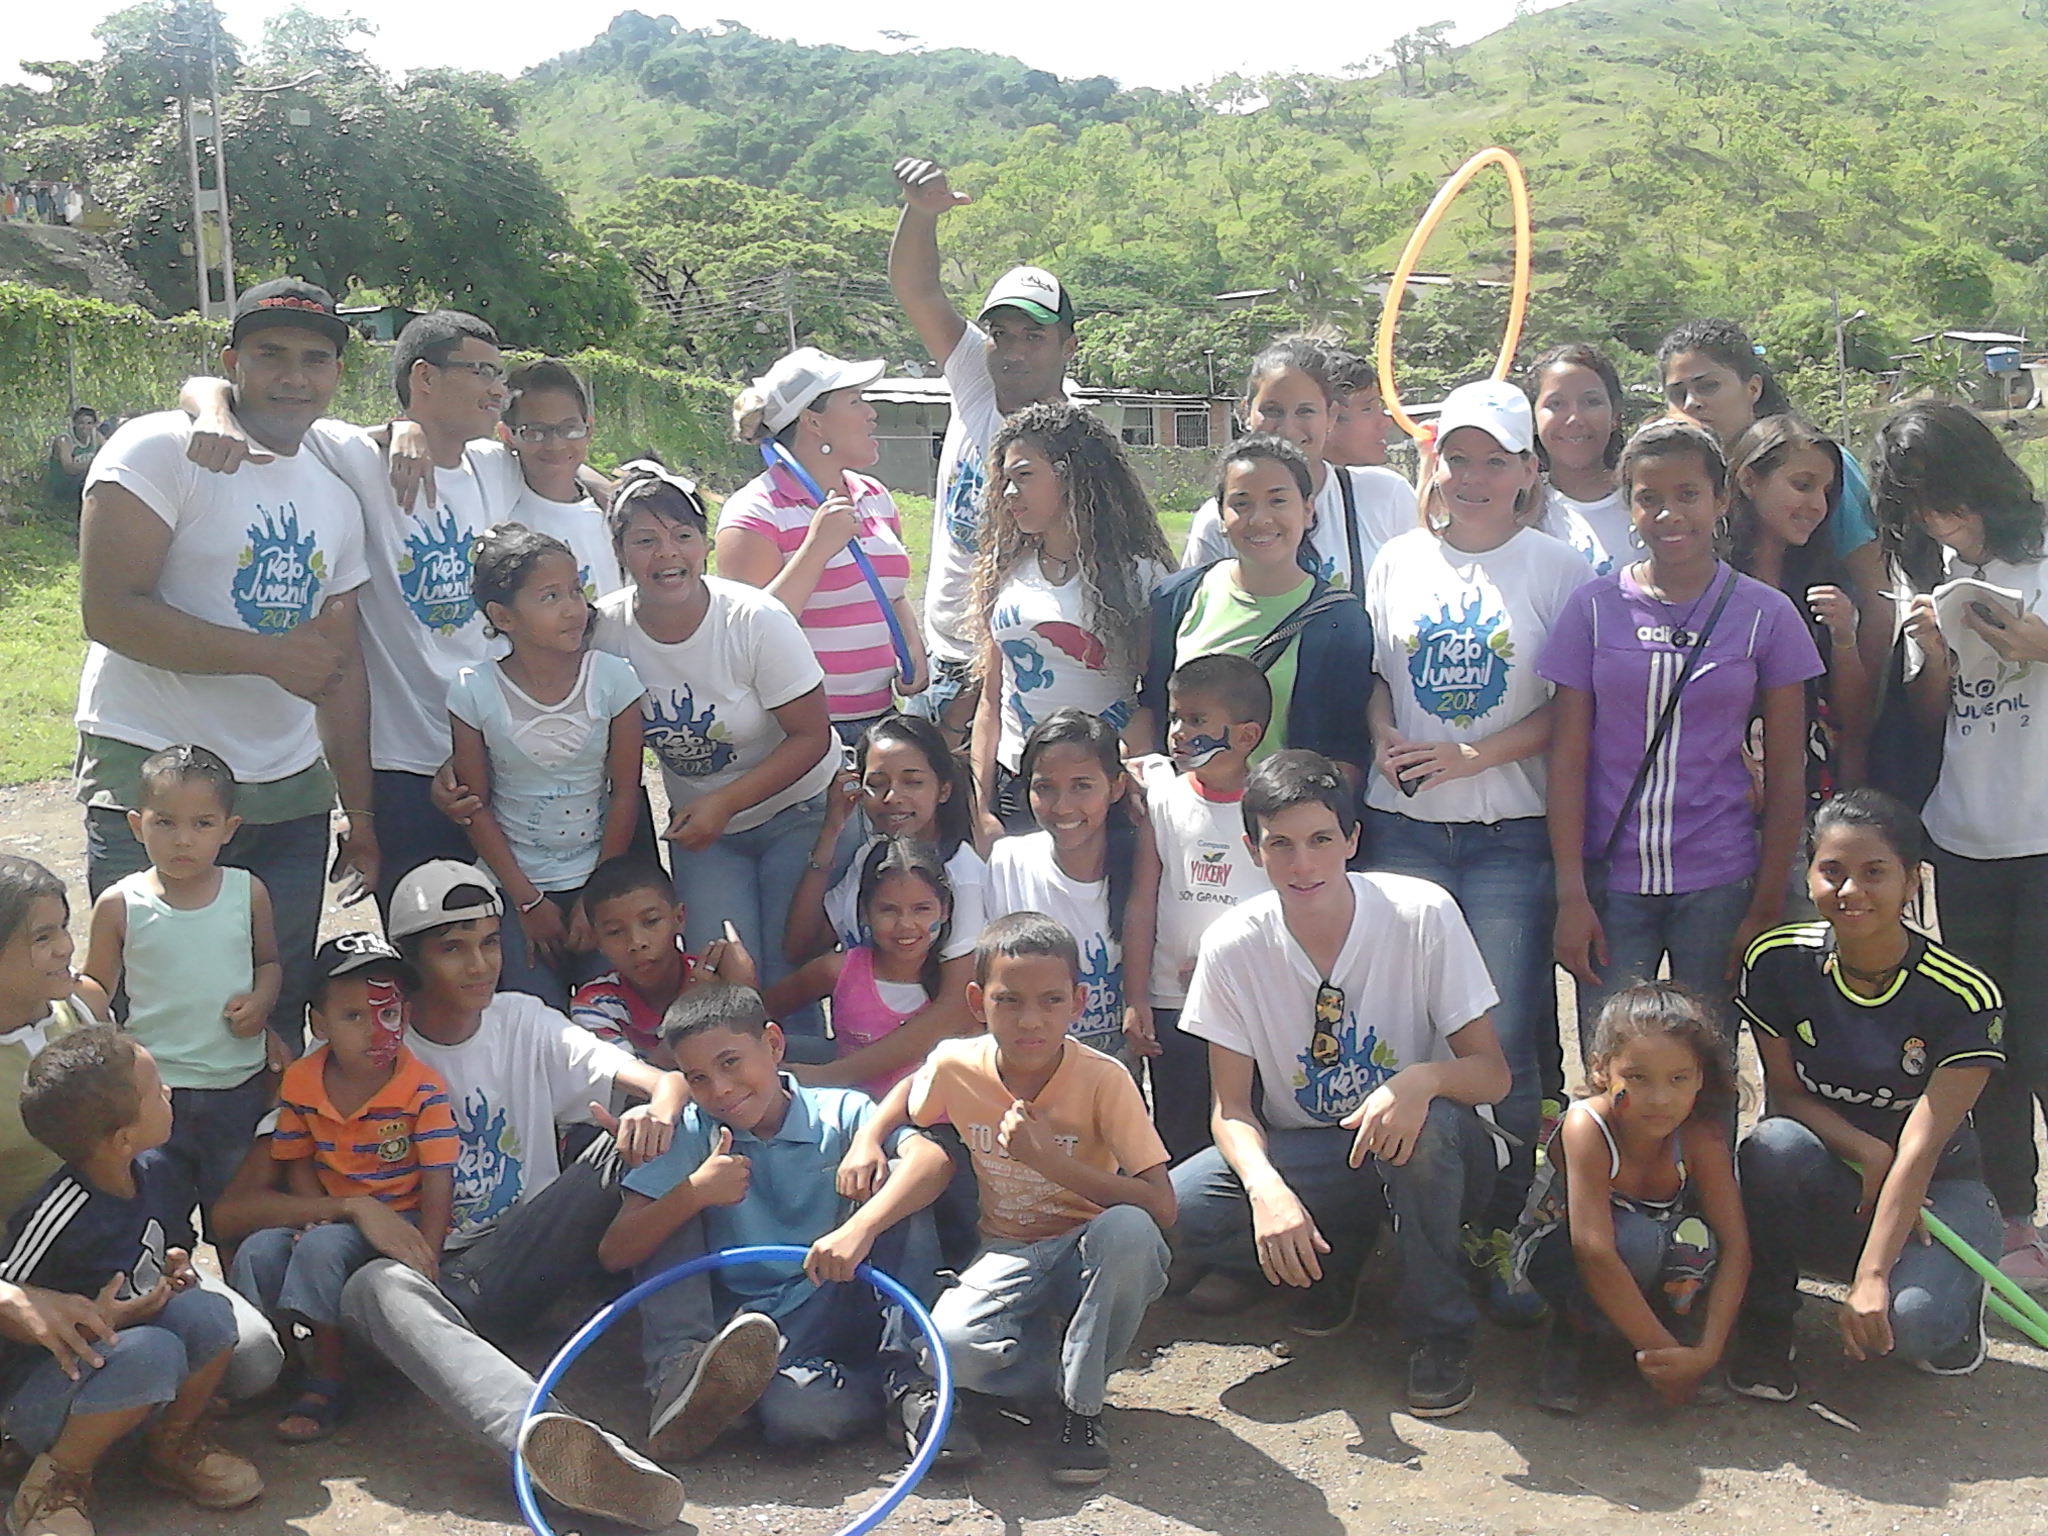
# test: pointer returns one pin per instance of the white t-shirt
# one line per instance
(711, 699)
(1457, 638)
(581, 525)
(966, 870)
(1411, 977)
(525, 1071)
(1386, 509)
(1205, 869)
(258, 550)
(956, 508)
(1606, 520)
(1991, 801)
(1566, 526)
(1023, 877)
(421, 625)
(1052, 659)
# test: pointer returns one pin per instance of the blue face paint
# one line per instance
(1199, 750)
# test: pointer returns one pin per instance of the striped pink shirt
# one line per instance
(842, 620)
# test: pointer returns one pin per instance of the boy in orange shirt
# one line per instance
(360, 1117)
(1074, 1193)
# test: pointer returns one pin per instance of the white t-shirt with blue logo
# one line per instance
(1386, 509)
(1024, 876)
(258, 550)
(956, 504)
(420, 621)
(1458, 636)
(708, 714)
(1411, 977)
(581, 525)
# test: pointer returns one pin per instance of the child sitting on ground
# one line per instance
(814, 1352)
(1192, 853)
(96, 1229)
(879, 984)
(40, 1001)
(198, 951)
(358, 1116)
(637, 924)
(1635, 1210)
(1074, 1193)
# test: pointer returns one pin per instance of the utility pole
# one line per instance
(199, 110)
(1841, 368)
(786, 287)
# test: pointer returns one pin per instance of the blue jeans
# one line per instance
(145, 1365)
(1445, 1183)
(1801, 1203)
(1695, 930)
(1671, 1258)
(1057, 1315)
(212, 1130)
(1499, 873)
(297, 1272)
(550, 981)
(289, 857)
(409, 830)
(1994, 912)
(846, 1353)
(749, 879)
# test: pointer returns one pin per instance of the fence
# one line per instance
(57, 351)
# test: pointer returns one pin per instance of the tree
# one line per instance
(1954, 284)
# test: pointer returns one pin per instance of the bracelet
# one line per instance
(525, 907)
(811, 863)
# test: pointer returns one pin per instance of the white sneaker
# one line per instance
(582, 1467)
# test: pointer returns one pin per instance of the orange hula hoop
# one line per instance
(1518, 301)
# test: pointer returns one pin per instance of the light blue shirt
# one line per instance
(1852, 524)
(549, 789)
(792, 1193)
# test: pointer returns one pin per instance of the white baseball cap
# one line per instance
(799, 378)
(1499, 410)
(1035, 291)
(440, 892)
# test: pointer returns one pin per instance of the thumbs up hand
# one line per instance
(310, 659)
(722, 1178)
(1025, 1137)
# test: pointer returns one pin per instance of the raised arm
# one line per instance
(914, 256)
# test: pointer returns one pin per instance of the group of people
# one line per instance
(1128, 923)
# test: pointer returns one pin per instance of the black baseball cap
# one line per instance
(349, 953)
(288, 301)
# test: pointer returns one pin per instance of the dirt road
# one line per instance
(1223, 1427)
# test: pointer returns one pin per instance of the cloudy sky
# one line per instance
(1141, 44)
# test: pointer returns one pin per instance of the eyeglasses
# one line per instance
(1323, 1048)
(490, 373)
(568, 432)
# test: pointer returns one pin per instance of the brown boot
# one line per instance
(183, 1459)
(52, 1501)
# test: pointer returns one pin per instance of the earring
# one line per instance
(825, 449)
(1635, 539)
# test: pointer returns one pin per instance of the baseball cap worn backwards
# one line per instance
(440, 892)
(288, 301)
(1035, 291)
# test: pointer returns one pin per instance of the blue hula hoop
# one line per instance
(887, 1285)
(774, 454)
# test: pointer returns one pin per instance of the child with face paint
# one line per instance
(891, 975)
(1192, 853)
(359, 1118)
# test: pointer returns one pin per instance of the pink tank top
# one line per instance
(860, 1017)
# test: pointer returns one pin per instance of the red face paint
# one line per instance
(387, 1007)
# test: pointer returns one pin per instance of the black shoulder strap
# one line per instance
(1316, 604)
(1351, 540)
(1664, 720)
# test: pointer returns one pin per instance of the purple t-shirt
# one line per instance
(1692, 827)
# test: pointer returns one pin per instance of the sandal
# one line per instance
(322, 1402)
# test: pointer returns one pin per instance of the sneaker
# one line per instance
(1439, 1378)
(1761, 1365)
(2026, 1265)
(51, 1501)
(1510, 1308)
(1561, 1367)
(707, 1386)
(1222, 1292)
(183, 1459)
(1963, 1356)
(1326, 1307)
(582, 1468)
(1081, 1455)
(915, 1411)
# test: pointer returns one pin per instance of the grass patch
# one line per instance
(42, 643)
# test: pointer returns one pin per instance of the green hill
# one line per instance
(1756, 156)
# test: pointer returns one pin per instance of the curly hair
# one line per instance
(1114, 525)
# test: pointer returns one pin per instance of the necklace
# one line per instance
(1879, 976)
(1682, 635)
(1046, 562)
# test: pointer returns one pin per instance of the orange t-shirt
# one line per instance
(1091, 1105)
(405, 1126)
